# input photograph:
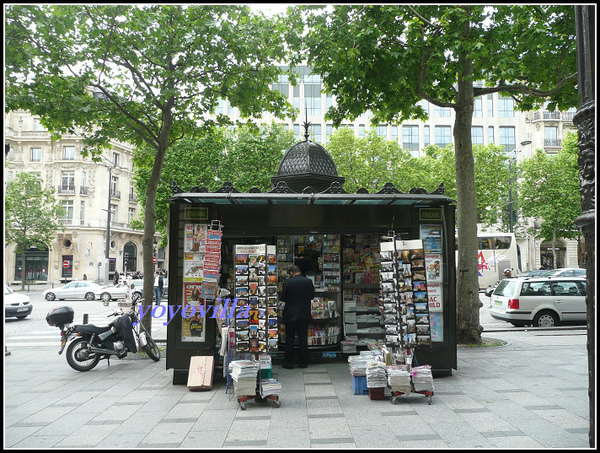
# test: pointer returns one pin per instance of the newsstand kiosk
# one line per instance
(334, 236)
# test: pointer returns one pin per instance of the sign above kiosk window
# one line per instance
(430, 214)
(195, 213)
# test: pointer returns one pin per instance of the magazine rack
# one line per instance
(257, 396)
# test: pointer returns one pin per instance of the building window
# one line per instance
(490, 105)
(297, 131)
(297, 96)
(220, 107)
(394, 133)
(441, 112)
(312, 95)
(131, 192)
(477, 135)
(68, 153)
(507, 138)
(67, 184)
(443, 136)
(328, 101)
(37, 126)
(425, 106)
(381, 130)
(116, 159)
(114, 183)
(361, 130)
(67, 217)
(82, 213)
(410, 139)
(130, 214)
(36, 154)
(551, 136)
(426, 136)
(113, 212)
(328, 131)
(282, 85)
(316, 129)
(478, 107)
(506, 107)
(491, 137)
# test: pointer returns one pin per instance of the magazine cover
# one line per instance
(193, 314)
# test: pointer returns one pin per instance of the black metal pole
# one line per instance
(585, 17)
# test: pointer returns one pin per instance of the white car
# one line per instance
(120, 292)
(16, 305)
(540, 301)
(75, 290)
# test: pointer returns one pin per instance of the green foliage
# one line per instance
(549, 190)
(247, 157)
(254, 155)
(31, 213)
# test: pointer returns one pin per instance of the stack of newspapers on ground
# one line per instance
(399, 378)
(244, 373)
(359, 363)
(422, 378)
(376, 375)
(269, 387)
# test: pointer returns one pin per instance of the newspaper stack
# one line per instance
(358, 365)
(243, 373)
(376, 375)
(399, 378)
(422, 378)
(269, 387)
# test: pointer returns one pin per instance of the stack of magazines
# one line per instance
(422, 378)
(269, 387)
(243, 373)
(399, 378)
(358, 365)
(376, 375)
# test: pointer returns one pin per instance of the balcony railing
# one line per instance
(547, 115)
(66, 190)
(115, 194)
(83, 190)
(552, 142)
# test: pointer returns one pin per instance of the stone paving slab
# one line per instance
(526, 394)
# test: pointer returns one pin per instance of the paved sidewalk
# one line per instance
(530, 393)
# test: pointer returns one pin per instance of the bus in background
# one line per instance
(495, 252)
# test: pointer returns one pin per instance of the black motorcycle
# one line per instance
(89, 343)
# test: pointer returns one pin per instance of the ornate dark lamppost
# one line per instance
(585, 25)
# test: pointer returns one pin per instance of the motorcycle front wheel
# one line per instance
(78, 356)
(151, 348)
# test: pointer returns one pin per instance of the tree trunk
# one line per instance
(467, 287)
(150, 214)
(23, 269)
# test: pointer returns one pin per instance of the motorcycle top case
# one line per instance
(60, 316)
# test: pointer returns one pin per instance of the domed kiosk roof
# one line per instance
(307, 157)
(307, 165)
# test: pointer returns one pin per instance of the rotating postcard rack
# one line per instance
(255, 325)
(405, 308)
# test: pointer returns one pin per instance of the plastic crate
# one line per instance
(359, 385)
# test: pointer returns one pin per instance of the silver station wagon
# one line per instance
(540, 301)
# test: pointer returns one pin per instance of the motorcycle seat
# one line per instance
(90, 328)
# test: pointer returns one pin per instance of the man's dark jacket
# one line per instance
(297, 293)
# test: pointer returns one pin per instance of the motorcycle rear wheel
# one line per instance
(79, 358)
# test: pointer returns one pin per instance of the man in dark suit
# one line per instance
(297, 294)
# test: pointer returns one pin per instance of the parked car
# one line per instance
(540, 301)
(565, 272)
(120, 292)
(16, 305)
(534, 273)
(75, 290)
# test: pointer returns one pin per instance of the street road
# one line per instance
(33, 331)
